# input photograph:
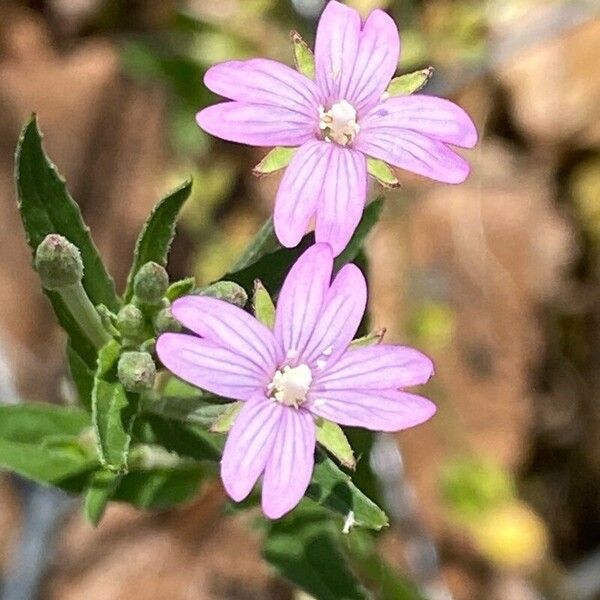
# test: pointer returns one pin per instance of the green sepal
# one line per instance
(303, 56)
(262, 303)
(409, 83)
(180, 288)
(224, 421)
(332, 437)
(381, 171)
(275, 160)
(372, 338)
(155, 239)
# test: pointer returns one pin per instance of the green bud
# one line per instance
(136, 371)
(130, 321)
(58, 262)
(150, 283)
(229, 291)
(165, 321)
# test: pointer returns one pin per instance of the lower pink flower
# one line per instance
(302, 369)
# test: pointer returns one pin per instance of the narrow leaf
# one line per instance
(331, 436)
(303, 56)
(264, 242)
(82, 376)
(225, 421)
(275, 160)
(410, 82)
(190, 410)
(381, 171)
(264, 309)
(155, 239)
(102, 487)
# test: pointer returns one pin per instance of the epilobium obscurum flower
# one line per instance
(302, 369)
(337, 120)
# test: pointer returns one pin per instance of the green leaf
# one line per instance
(46, 207)
(155, 239)
(410, 82)
(180, 288)
(372, 338)
(113, 410)
(303, 56)
(102, 487)
(225, 421)
(333, 489)
(275, 160)
(82, 376)
(304, 548)
(264, 242)
(264, 309)
(332, 437)
(190, 410)
(381, 171)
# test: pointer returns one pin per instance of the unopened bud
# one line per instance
(130, 321)
(165, 321)
(58, 262)
(229, 291)
(136, 371)
(150, 283)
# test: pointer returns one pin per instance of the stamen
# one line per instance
(290, 385)
(338, 124)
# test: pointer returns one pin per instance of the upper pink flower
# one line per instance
(287, 376)
(338, 120)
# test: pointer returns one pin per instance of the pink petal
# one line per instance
(211, 367)
(414, 152)
(301, 298)
(299, 191)
(376, 367)
(336, 48)
(376, 61)
(227, 325)
(343, 198)
(290, 464)
(257, 124)
(342, 312)
(249, 445)
(263, 81)
(434, 117)
(378, 410)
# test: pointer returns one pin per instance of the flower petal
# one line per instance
(256, 124)
(336, 47)
(378, 410)
(263, 81)
(249, 445)
(227, 325)
(376, 61)
(343, 310)
(343, 198)
(211, 367)
(434, 117)
(414, 152)
(376, 367)
(290, 464)
(299, 191)
(301, 298)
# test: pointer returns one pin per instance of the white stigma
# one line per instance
(338, 124)
(290, 385)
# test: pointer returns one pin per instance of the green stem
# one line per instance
(85, 314)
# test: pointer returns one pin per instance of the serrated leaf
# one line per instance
(102, 486)
(370, 339)
(228, 291)
(224, 422)
(278, 158)
(381, 171)
(409, 83)
(332, 437)
(303, 56)
(113, 410)
(180, 288)
(264, 309)
(333, 489)
(305, 549)
(155, 239)
(82, 376)
(264, 242)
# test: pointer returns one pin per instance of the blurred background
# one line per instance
(498, 279)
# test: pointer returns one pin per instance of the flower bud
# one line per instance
(130, 321)
(58, 262)
(229, 291)
(165, 321)
(136, 371)
(150, 283)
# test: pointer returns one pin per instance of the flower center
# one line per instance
(338, 124)
(290, 385)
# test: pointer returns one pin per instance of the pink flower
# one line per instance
(302, 369)
(337, 120)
